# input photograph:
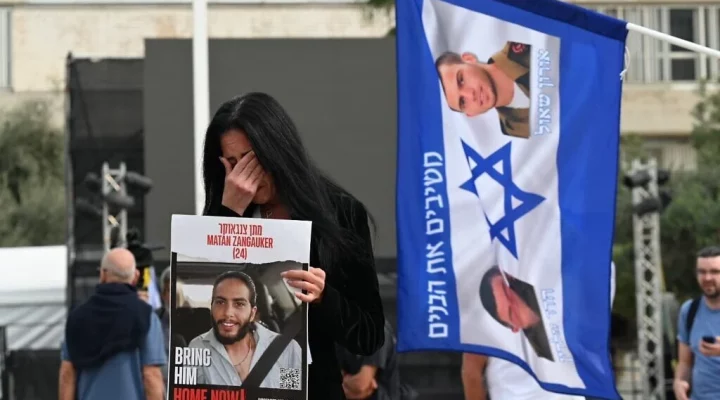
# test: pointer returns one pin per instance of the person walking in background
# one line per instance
(113, 348)
(697, 375)
(164, 310)
(164, 314)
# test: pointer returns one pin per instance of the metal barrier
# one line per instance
(28, 374)
(33, 374)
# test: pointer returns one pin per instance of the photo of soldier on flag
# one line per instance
(473, 87)
(514, 304)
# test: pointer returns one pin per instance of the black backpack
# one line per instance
(692, 312)
(690, 320)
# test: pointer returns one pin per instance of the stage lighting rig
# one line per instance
(640, 180)
(649, 199)
(111, 200)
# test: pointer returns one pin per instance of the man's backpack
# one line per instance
(690, 319)
(692, 312)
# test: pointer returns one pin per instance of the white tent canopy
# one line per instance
(33, 274)
(32, 296)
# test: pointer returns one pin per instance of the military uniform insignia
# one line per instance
(518, 48)
(518, 53)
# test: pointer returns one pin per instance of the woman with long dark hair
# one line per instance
(255, 166)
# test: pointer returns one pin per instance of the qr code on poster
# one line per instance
(290, 378)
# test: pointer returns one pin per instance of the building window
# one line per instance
(4, 48)
(657, 154)
(683, 62)
(652, 60)
(672, 153)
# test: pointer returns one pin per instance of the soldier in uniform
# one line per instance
(473, 87)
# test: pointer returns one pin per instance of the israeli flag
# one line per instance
(509, 121)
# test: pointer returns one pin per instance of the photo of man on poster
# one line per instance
(245, 325)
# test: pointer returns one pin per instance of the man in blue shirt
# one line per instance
(697, 375)
(113, 347)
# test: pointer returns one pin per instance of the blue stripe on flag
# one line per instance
(591, 57)
(416, 248)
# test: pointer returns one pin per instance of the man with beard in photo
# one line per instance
(235, 341)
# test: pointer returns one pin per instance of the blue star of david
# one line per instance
(526, 201)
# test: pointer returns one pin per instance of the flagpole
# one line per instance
(201, 93)
(673, 40)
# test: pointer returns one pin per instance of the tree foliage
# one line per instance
(690, 222)
(693, 219)
(381, 5)
(32, 187)
(623, 255)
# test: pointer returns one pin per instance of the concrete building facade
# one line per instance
(36, 36)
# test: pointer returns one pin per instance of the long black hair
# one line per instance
(301, 187)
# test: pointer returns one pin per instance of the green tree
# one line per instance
(382, 5)
(623, 252)
(690, 222)
(32, 187)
